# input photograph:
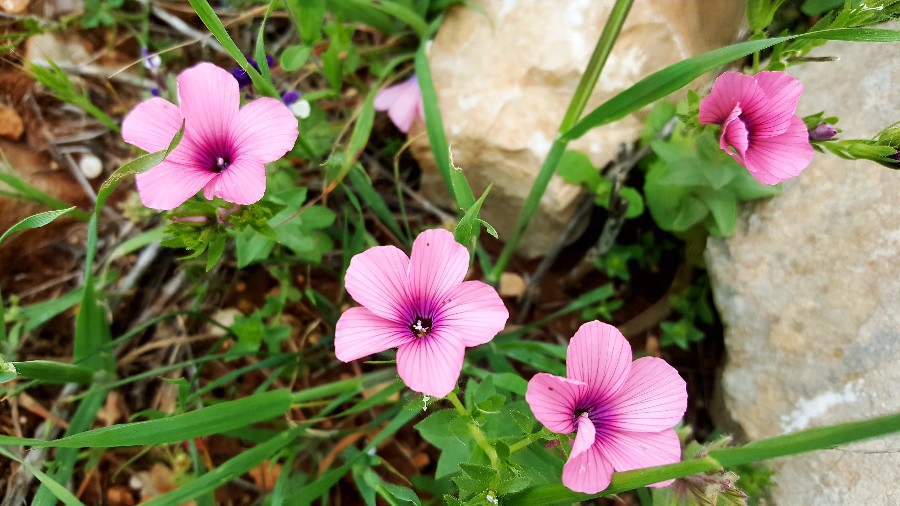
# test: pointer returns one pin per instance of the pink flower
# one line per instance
(623, 411)
(421, 306)
(759, 127)
(224, 147)
(403, 102)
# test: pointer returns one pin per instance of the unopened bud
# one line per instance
(822, 132)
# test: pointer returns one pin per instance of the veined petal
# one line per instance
(783, 92)
(243, 182)
(734, 140)
(438, 263)
(472, 312)
(585, 437)
(730, 89)
(377, 279)
(587, 472)
(600, 356)
(636, 450)
(654, 398)
(359, 333)
(264, 129)
(431, 365)
(152, 125)
(169, 184)
(772, 160)
(209, 99)
(553, 401)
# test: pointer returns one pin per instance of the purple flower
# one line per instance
(822, 132)
(243, 78)
(290, 97)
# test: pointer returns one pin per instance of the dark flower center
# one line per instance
(420, 327)
(579, 413)
(220, 165)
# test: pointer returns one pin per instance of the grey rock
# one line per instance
(808, 288)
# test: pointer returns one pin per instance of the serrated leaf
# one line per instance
(35, 221)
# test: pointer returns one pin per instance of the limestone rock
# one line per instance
(808, 288)
(505, 71)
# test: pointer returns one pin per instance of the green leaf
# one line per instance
(674, 77)
(214, 250)
(308, 16)
(454, 449)
(466, 231)
(361, 183)
(454, 178)
(47, 371)
(295, 56)
(576, 168)
(216, 419)
(59, 492)
(35, 221)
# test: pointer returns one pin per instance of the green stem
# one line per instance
(526, 442)
(573, 113)
(456, 404)
(483, 443)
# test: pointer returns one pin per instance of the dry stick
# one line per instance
(20, 481)
(531, 290)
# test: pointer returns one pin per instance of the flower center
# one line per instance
(579, 413)
(421, 327)
(221, 164)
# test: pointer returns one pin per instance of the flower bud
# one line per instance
(822, 132)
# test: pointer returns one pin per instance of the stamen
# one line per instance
(421, 327)
(221, 164)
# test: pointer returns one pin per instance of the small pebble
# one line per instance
(90, 166)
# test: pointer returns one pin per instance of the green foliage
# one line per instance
(100, 12)
(576, 168)
(694, 306)
(57, 80)
(692, 182)
(760, 13)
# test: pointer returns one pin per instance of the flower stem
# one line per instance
(456, 404)
(573, 113)
(526, 442)
(483, 443)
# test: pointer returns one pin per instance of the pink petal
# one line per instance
(152, 125)
(600, 356)
(553, 400)
(653, 399)
(438, 263)
(386, 97)
(359, 333)
(170, 184)
(472, 312)
(430, 365)
(729, 90)
(243, 182)
(264, 129)
(209, 98)
(376, 278)
(783, 92)
(589, 472)
(774, 159)
(402, 102)
(636, 450)
(734, 139)
(585, 437)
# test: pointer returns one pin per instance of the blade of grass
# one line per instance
(35, 221)
(47, 371)
(59, 492)
(215, 26)
(674, 77)
(579, 100)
